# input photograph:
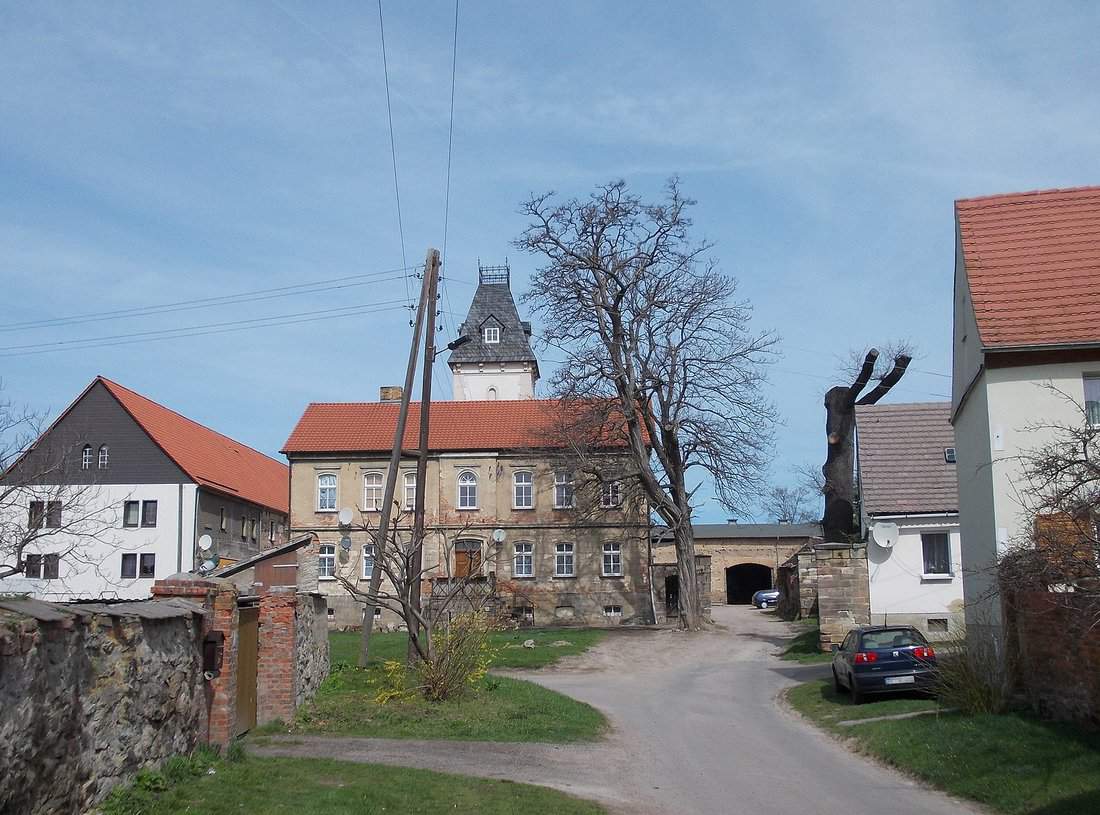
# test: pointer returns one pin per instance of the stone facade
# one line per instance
(91, 694)
(843, 594)
(666, 575)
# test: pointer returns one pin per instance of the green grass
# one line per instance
(496, 709)
(277, 786)
(1011, 762)
(806, 647)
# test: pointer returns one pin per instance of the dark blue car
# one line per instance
(883, 659)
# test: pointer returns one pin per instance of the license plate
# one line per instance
(900, 680)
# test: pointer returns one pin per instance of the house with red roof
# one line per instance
(120, 491)
(1026, 353)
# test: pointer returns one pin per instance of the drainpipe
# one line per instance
(179, 528)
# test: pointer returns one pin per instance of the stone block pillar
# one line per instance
(843, 590)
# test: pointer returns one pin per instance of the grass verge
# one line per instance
(806, 647)
(275, 786)
(1011, 762)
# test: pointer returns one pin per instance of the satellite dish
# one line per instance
(209, 565)
(498, 535)
(885, 534)
(345, 543)
(345, 516)
(206, 543)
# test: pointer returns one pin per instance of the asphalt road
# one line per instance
(697, 728)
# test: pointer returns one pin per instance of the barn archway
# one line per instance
(744, 580)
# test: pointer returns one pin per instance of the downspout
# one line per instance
(195, 529)
(179, 529)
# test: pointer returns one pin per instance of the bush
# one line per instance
(967, 678)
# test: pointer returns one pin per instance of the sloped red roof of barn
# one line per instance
(1033, 265)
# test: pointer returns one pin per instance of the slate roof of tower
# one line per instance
(493, 301)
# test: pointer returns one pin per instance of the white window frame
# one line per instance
(326, 553)
(613, 556)
(322, 505)
(86, 457)
(467, 478)
(564, 486)
(523, 559)
(613, 611)
(611, 494)
(410, 490)
(372, 501)
(368, 560)
(565, 554)
(1092, 415)
(104, 457)
(529, 484)
(926, 575)
(491, 334)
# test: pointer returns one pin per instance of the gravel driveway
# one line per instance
(696, 729)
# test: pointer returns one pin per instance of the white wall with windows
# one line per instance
(490, 381)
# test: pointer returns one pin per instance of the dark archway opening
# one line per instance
(672, 595)
(744, 580)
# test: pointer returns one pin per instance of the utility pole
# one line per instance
(417, 560)
(425, 308)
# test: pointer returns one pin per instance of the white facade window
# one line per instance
(1092, 400)
(524, 565)
(612, 494)
(491, 394)
(223, 523)
(563, 560)
(613, 611)
(492, 334)
(368, 561)
(467, 490)
(563, 490)
(410, 490)
(271, 532)
(326, 561)
(326, 492)
(612, 560)
(937, 553)
(86, 457)
(104, 457)
(372, 492)
(523, 493)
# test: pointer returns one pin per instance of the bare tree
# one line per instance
(791, 504)
(839, 522)
(646, 321)
(48, 514)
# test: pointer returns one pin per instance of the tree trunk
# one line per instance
(691, 604)
(838, 522)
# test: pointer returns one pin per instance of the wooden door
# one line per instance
(247, 642)
(467, 558)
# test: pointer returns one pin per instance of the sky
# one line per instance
(159, 153)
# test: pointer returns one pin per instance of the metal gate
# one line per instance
(247, 641)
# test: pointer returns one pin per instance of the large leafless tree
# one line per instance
(645, 319)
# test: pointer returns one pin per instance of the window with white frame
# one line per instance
(523, 490)
(326, 492)
(104, 457)
(372, 492)
(223, 523)
(612, 494)
(524, 564)
(613, 611)
(86, 457)
(368, 561)
(937, 553)
(1092, 399)
(492, 334)
(410, 490)
(467, 490)
(563, 489)
(326, 561)
(612, 560)
(491, 394)
(563, 560)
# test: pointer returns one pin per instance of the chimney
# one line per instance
(389, 393)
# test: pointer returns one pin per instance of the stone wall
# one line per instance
(91, 693)
(843, 593)
(662, 571)
(311, 647)
(797, 584)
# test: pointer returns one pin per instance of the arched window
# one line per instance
(326, 560)
(104, 457)
(372, 492)
(326, 492)
(523, 493)
(86, 457)
(492, 394)
(467, 490)
(410, 490)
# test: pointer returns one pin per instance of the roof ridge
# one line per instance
(1027, 194)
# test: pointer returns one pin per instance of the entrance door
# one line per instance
(247, 641)
(672, 595)
(467, 558)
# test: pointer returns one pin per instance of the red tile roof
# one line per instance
(455, 426)
(209, 458)
(1033, 265)
(902, 466)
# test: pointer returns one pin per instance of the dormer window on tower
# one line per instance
(492, 334)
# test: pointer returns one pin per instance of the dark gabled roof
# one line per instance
(902, 466)
(493, 302)
(267, 554)
(737, 531)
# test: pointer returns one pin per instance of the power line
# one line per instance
(447, 186)
(255, 295)
(393, 147)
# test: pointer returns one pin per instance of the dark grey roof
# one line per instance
(144, 609)
(267, 554)
(902, 466)
(493, 304)
(704, 531)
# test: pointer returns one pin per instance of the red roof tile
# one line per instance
(209, 458)
(1033, 265)
(455, 426)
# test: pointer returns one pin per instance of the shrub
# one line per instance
(461, 657)
(967, 678)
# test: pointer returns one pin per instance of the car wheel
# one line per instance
(858, 696)
(836, 683)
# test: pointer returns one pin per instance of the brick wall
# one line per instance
(843, 593)
(275, 658)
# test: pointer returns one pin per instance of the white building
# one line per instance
(119, 490)
(1026, 351)
(909, 505)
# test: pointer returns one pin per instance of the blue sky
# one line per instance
(153, 153)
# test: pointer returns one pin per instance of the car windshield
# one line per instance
(891, 638)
